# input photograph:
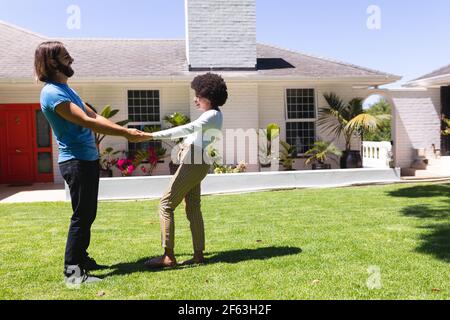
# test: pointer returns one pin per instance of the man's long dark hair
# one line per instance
(46, 63)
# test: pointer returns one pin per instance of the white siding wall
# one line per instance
(272, 106)
(254, 106)
(174, 98)
(417, 119)
(240, 112)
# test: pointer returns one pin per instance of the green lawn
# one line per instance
(298, 244)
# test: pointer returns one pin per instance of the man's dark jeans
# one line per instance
(82, 177)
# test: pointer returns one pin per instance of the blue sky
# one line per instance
(413, 39)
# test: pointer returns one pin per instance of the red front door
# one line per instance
(25, 145)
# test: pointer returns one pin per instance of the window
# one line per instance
(143, 106)
(144, 111)
(301, 119)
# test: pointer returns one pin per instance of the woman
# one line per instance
(210, 94)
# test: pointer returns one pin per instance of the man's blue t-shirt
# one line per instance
(74, 141)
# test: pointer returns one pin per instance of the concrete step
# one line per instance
(439, 162)
(429, 174)
(435, 172)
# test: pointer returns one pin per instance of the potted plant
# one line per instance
(107, 162)
(348, 120)
(214, 157)
(107, 113)
(265, 148)
(287, 155)
(175, 120)
(319, 154)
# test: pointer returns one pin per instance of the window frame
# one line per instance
(144, 123)
(298, 120)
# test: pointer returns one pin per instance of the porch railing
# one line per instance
(376, 154)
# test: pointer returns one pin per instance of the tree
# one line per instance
(384, 132)
(347, 119)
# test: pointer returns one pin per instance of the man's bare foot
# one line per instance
(161, 262)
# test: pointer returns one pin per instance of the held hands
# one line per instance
(137, 136)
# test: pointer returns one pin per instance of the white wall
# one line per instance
(173, 98)
(417, 118)
(240, 112)
(272, 104)
(254, 106)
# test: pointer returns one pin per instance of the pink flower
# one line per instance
(120, 163)
(152, 156)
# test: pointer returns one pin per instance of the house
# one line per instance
(419, 110)
(440, 80)
(149, 79)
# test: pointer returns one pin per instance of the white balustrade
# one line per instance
(376, 154)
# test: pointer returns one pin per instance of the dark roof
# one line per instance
(439, 72)
(128, 58)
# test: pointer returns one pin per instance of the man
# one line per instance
(74, 124)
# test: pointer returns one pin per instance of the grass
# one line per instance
(298, 244)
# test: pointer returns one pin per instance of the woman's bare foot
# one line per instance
(161, 262)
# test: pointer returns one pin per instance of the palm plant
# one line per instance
(265, 149)
(348, 120)
(175, 120)
(321, 151)
(287, 154)
(149, 158)
(446, 132)
(107, 161)
(107, 113)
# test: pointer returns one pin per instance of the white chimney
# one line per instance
(221, 34)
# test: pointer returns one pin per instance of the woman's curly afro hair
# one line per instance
(212, 87)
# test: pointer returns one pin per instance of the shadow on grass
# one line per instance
(236, 256)
(426, 212)
(425, 191)
(233, 256)
(436, 239)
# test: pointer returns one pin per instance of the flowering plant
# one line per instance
(107, 159)
(219, 168)
(149, 159)
(126, 167)
(240, 168)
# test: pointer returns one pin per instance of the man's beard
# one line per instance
(66, 70)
